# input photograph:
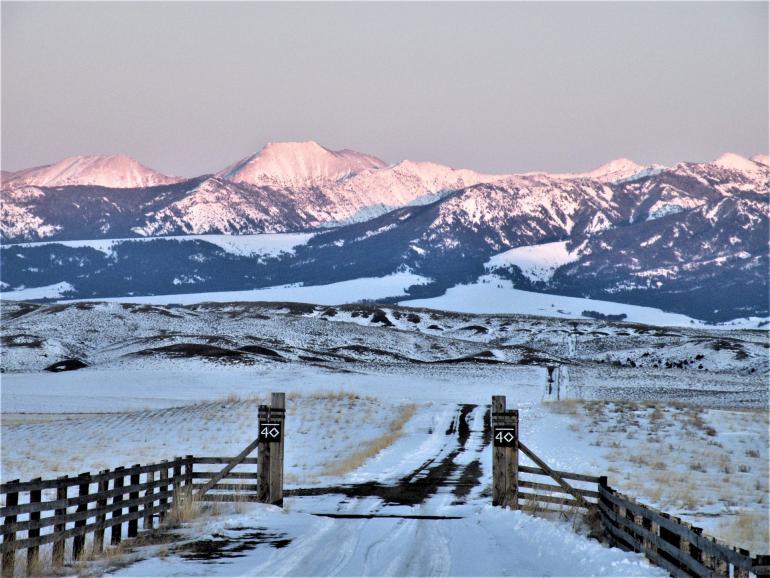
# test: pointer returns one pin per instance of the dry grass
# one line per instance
(564, 406)
(357, 459)
(682, 458)
(749, 529)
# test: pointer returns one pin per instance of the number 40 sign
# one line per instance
(505, 437)
(270, 431)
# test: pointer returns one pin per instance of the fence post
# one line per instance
(149, 503)
(9, 557)
(760, 566)
(177, 479)
(505, 448)
(188, 474)
(133, 525)
(79, 542)
(263, 458)
(741, 572)
(57, 553)
(277, 414)
(178, 496)
(33, 559)
(101, 518)
(163, 488)
(116, 530)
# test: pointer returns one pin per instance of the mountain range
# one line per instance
(689, 238)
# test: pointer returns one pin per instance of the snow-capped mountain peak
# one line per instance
(611, 172)
(114, 171)
(615, 170)
(299, 164)
(761, 159)
(735, 162)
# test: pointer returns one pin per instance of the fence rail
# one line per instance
(40, 512)
(671, 543)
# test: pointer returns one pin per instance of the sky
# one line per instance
(189, 88)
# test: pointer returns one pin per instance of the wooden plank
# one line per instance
(57, 554)
(226, 470)
(656, 559)
(629, 527)
(163, 489)
(760, 566)
(70, 502)
(188, 471)
(231, 487)
(708, 545)
(230, 498)
(503, 458)
(9, 537)
(277, 413)
(33, 553)
(88, 529)
(75, 516)
(117, 512)
(565, 475)
(56, 483)
(230, 476)
(523, 496)
(101, 506)
(78, 544)
(559, 480)
(215, 460)
(263, 458)
(149, 500)
(133, 525)
(559, 489)
(99, 514)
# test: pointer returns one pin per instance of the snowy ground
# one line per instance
(394, 285)
(164, 381)
(251, 245)
(492, 294)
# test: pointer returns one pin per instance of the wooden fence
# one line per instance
(57, 510)
(61, 512)
(671, 543)
(556, 494)
(42, 512)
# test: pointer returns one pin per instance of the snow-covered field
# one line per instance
(493, 295)
(264, 245)
(352, 291)
(687, 410)
(537, 262)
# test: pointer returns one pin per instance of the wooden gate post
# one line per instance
(505, 452)
(278, 415)
(263, 457)
(270, 447)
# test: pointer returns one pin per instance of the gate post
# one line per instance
(263, 458)
(270, 450)
(505, 453)
(278, 415)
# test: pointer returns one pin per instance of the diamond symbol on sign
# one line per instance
(274, 432)
(508, 437)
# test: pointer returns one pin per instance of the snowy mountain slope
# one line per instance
(112, 171)
(136, 336)
(298, 165)
(613, 171)
(705, 222)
